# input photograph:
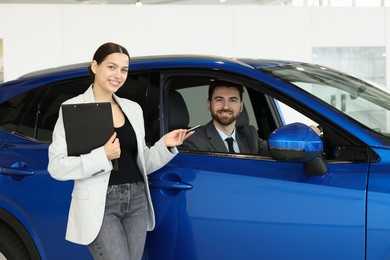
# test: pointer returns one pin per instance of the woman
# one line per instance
(112, 210)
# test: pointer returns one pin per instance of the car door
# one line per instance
(223, 206)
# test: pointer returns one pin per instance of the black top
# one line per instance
(127, 163)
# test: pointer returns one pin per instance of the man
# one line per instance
(225, 105)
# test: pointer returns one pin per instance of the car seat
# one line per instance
(243, 118)
(178, 116)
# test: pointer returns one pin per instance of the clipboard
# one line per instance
(87, 126)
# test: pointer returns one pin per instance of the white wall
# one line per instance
(42, 36)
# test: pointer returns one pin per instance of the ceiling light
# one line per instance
(138, 3)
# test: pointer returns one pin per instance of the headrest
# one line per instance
(178, 116)
(243, 118)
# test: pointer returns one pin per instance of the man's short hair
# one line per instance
(224, 83)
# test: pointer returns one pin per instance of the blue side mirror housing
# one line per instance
(299, 143)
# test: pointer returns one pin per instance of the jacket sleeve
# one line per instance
(262, 144)
(64, 167)
(158, 156)
(188, 144)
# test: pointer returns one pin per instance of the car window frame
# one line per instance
(271, 95)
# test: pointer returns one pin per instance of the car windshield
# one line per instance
(360, 100)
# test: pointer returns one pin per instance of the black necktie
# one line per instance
(230, 141)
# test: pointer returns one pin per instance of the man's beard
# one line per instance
(223, 120)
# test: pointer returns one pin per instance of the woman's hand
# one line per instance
(112, 148)
(176, 137)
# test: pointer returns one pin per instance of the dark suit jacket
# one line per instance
(207, 138)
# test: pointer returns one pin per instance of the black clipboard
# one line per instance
(87, 126)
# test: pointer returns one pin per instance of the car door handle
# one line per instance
(17, 169)
(18, 172)
(171, 185)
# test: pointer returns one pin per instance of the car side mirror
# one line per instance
(299, 143)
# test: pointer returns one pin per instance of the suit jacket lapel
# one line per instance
(214, 138)
(88, 95)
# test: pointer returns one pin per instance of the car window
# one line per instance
(18, 108)
(33, 114)
(48, 108)
(361, 101)
(290, 115)
(337, 147)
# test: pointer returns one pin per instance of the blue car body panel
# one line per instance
(43, 205)
(214, 207)
(254, 204)
(378, 212)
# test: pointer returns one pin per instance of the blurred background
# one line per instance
(350, 35)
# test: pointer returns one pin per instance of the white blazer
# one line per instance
(91, 172)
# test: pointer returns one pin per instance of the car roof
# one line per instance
(169, 61)
(12, 88)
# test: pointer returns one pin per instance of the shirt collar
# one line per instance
(224, 136)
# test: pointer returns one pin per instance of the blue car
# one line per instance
(315, 196)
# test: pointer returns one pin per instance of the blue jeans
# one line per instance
(123, 232)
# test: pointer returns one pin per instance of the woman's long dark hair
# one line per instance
(104, 50)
